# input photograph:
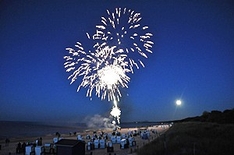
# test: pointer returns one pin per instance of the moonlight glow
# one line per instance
(119, 43)
(178, 102)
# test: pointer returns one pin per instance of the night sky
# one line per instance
(192, 60)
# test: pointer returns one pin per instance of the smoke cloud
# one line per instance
(97, 121)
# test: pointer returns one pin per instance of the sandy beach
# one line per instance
(154, 132)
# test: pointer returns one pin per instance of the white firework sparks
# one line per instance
(120, 29)
(103, 71)
(116, 112)
(120, 41)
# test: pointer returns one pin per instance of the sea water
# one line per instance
(15, 129)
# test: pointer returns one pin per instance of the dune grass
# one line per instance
(193, 138)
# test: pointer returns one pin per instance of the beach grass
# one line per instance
(193, 138)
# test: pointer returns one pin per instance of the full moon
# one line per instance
(178, 102)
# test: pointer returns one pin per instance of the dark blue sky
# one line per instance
(193, 59)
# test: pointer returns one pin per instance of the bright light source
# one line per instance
(178, 102)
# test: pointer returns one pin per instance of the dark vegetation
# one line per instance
(215, 116)
(212, 133)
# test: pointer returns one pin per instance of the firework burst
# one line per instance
(120, 41)
(122, 28)
(103, 71)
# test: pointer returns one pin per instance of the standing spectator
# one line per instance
(23, 147)
(18, 149)
(7, 141)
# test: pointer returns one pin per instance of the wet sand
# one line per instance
(6, 149)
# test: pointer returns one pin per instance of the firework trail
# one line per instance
(115, 112)
(120, 41)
